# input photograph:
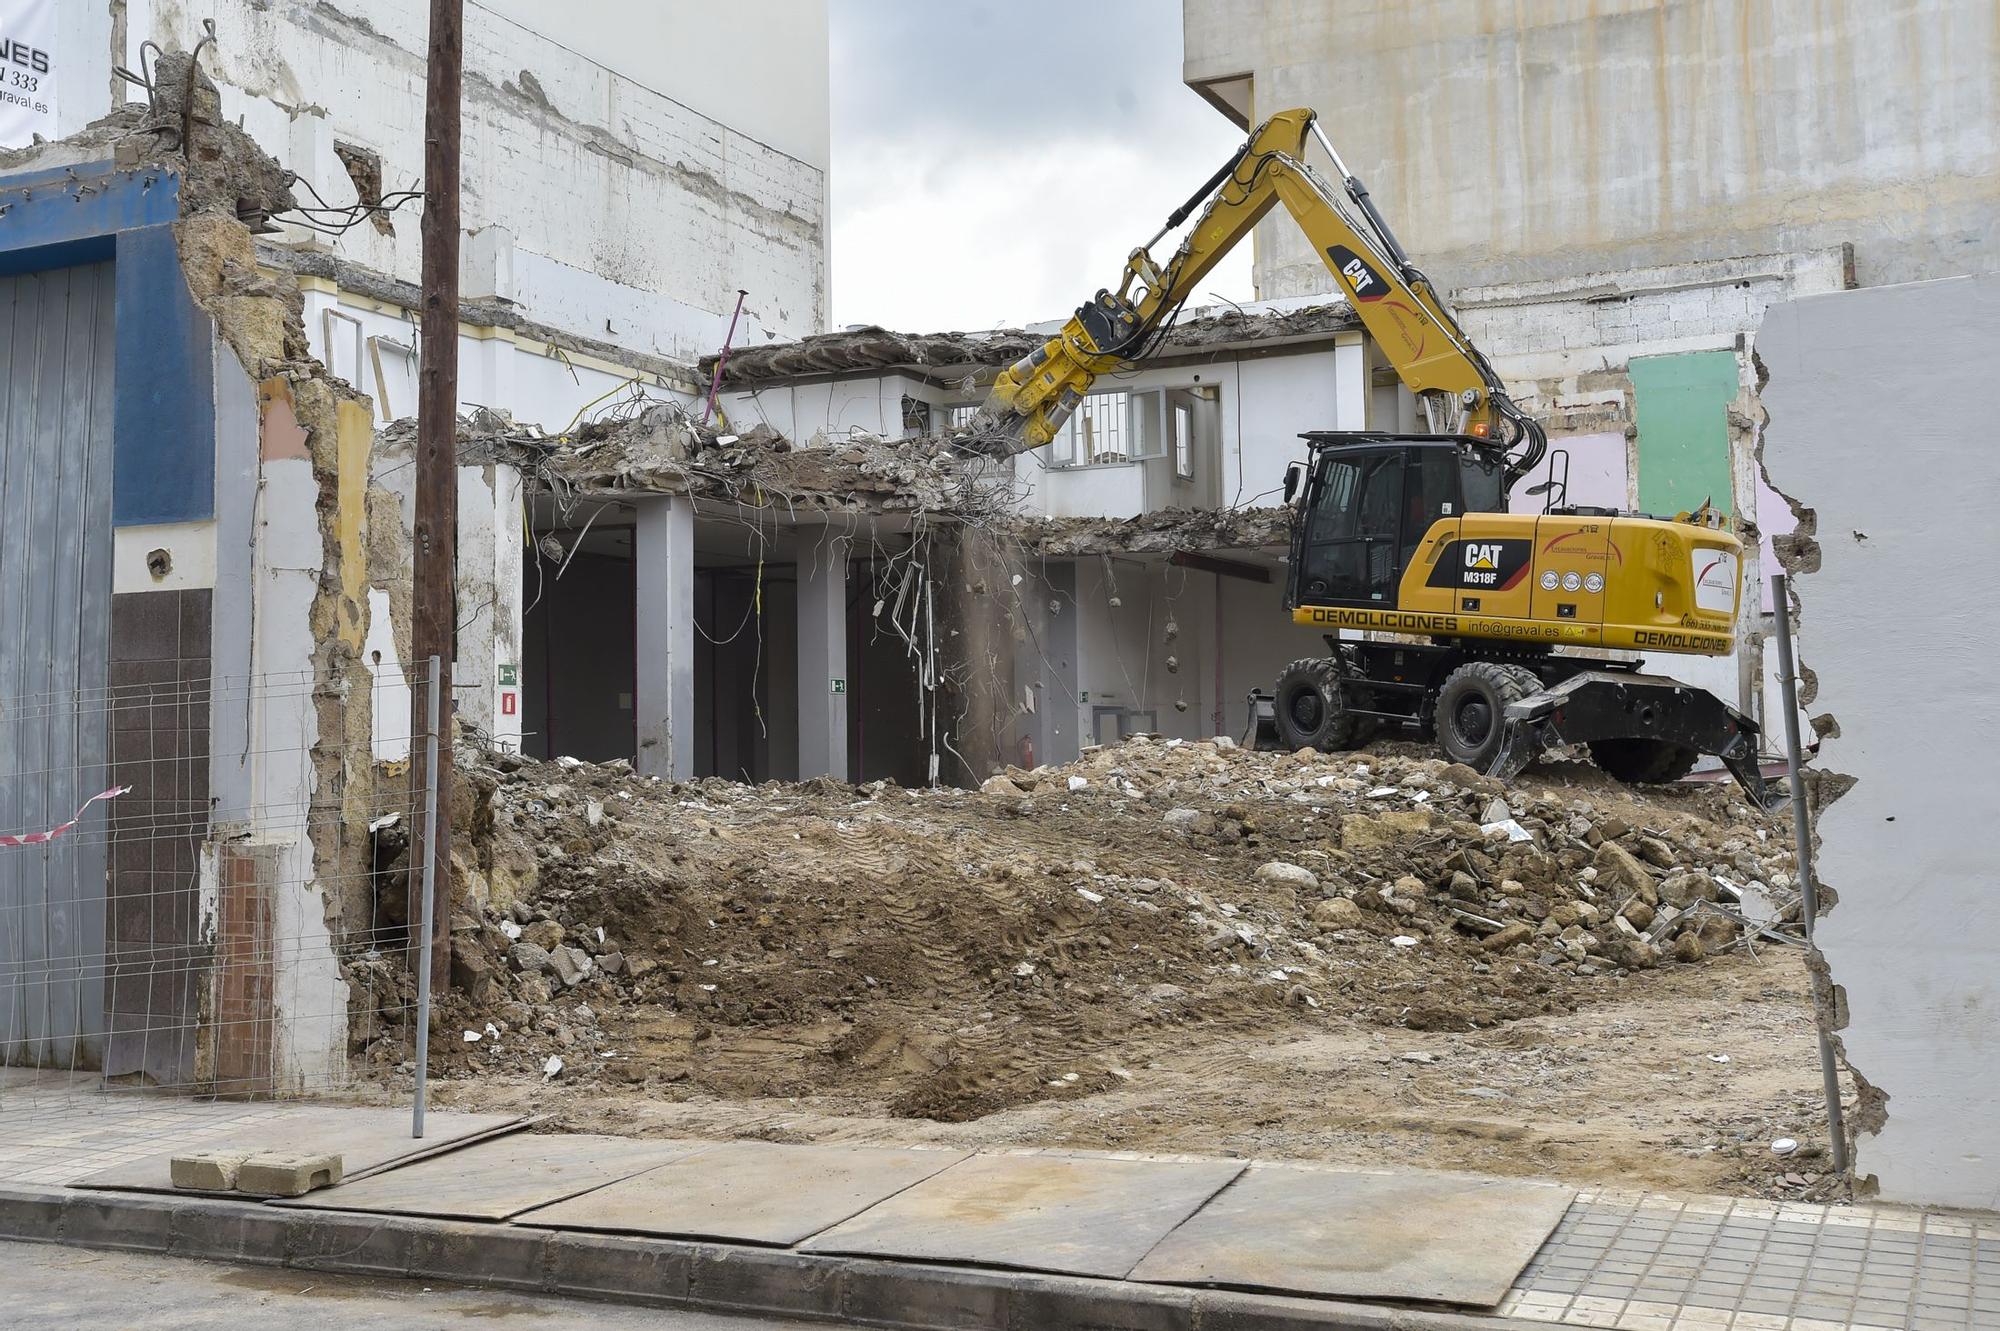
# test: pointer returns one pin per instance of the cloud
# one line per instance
(994, 164)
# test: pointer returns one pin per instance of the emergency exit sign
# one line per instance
(510, 676)
(839, 684)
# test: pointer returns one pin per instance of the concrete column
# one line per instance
(823, 659)
(1045, 663)
(663, 548)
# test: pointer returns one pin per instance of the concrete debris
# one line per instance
(1161, 531)
(871, 348)
(661, 448)
(949, 953)
(182, 129)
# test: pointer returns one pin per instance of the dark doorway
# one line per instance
(579, 645)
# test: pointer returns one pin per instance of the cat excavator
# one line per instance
(1467, 608)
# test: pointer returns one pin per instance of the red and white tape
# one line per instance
(37, 838)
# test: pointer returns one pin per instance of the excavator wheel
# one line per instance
(1309, 710)
(1643, 762)
(1472, 706)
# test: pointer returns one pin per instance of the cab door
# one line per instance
(1352, 546)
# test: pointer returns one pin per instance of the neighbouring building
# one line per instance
(1643, 209)
(1611, 195)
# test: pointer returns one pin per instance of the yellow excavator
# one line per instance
(1409, 535)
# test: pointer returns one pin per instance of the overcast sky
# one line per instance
(994, 163)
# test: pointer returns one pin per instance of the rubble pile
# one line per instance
(945, 953)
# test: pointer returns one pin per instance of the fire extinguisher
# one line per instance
(1027, 753)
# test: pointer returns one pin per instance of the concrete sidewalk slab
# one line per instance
(1445, 1238)
(1074, 1215)
(748, 1192)
(367, 1140)
(498, 1178)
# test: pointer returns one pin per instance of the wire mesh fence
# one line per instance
(203, 894)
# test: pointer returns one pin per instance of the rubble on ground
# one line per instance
(951, 953)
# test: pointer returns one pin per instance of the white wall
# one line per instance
(373, 346)
(1875, 398)
(758, 66)
(1265, 402)
(628, 205)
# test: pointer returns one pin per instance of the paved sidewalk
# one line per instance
(1650, 1262)
(1619, 1261)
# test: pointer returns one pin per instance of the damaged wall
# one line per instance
(241, 464)
(1870, 395)
(610, 223)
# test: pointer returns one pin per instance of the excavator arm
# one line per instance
(1458, 390)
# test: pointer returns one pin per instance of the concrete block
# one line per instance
(1102, 1305)
(286, 1174)
(756, 1280)
(641, 1270)
(110, 1220)
(229, 1232)
(33, 1215)
(360, 1244)
(206, 1171)
(899, 1293)
(476, 1254)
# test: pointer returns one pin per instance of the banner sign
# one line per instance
(27, 71)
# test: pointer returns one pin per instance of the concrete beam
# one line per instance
(663, 548)
(822, 677)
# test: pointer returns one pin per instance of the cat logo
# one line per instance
(1362, 280)
(1494, 565)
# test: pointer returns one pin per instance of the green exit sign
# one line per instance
(839, 684)
(510, 676)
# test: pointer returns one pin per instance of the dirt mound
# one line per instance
(945, 954)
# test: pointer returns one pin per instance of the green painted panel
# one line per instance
(1683, 412)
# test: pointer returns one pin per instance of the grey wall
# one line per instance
(1878, 403)
(1548, 138)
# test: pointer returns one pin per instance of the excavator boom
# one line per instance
(1459, 391)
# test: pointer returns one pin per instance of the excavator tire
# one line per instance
(1308, 707)
(1643, 762)
(1472, 706)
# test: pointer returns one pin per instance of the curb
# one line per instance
(674, 1273)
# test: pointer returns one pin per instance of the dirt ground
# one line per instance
(1117, 965)
(1628, 1093)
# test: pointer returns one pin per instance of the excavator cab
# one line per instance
(1370, 501)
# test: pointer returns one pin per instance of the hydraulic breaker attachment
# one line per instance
(1619, 704)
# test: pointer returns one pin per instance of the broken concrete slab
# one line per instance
(287, 1173)
(207, 1171)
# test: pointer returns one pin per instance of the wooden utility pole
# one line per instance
(434, 572)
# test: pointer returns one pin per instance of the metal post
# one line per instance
(1802, 841)
(434, 685)
(715, 381)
